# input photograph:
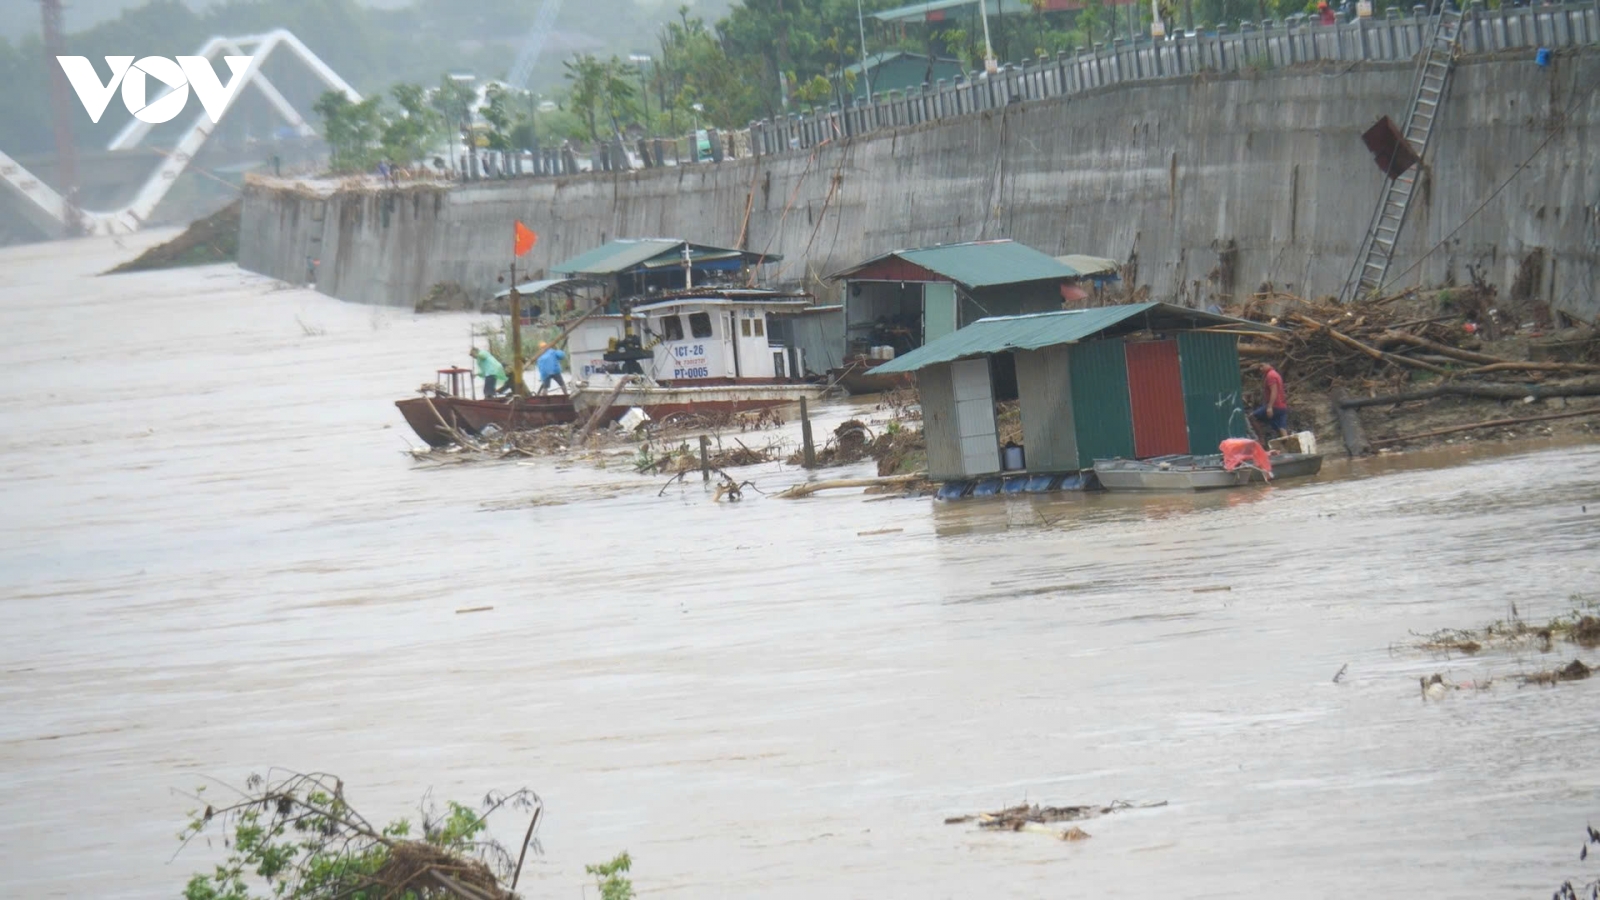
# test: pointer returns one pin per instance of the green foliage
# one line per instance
(351, 129)
(298, 839)
(611, 877)
(412, 134)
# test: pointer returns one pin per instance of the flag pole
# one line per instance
(516, 329)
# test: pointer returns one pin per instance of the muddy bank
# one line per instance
(214, 239)
(1426, 368)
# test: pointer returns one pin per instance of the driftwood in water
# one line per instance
(806, 489)
(1355, 440)
(1492, 423)
(1485, 391)
(600, 411)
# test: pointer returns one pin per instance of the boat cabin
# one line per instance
(642, 267)
(717, 336)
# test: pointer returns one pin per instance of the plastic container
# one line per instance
(953, 490)
(1542, 57)
(1012, 459)
(988, 487)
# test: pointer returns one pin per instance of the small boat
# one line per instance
(445, 408)
(515, 413)
(1197, 473)
(432, 416)
(707, 351)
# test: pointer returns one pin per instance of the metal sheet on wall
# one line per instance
(1155, 395)
(1100, 413)
(1213, 401)
(1044, 389)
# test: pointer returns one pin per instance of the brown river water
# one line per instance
(215, 558)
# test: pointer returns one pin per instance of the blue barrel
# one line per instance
(952, 490)
(1543, 57)
(988, 487)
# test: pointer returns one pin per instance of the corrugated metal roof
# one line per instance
(616, 256)
(1030, 332)
(529, 288)
(627, 253)
(980, 264)
(1089, 265)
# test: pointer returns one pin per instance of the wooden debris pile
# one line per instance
(1327, 344)
(1039, 819)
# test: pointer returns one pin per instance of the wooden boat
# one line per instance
(446, 405)
(515, 414)
(1197, 473)
(427, 416)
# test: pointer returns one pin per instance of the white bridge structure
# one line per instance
(53, 211)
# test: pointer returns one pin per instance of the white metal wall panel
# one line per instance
(974, 395)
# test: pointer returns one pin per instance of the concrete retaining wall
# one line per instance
(1213, 184)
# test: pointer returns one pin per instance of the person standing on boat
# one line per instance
(549, 364)
(1274, 409)
(494, 374)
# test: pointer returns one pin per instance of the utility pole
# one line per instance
(989, 64)
(61, 113)
(861, 22)
(639, 59)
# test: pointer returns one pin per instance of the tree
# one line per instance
(497, 112)
(351, 129)
(588, 78)
(411, 135)
(617, 93)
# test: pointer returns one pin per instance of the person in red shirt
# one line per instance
(1274, 409)
(1325, 14)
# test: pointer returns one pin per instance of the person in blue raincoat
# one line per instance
(549, 365)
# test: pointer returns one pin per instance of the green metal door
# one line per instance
(938, 310)
(1211, 390)
(1101, 411)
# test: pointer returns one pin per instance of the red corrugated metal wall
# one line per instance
(1155, 392)
(894, 269)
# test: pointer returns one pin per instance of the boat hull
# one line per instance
(1197, 474)
(517, 415)
(423, 414)
(661, 402)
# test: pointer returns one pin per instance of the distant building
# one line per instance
(897, 71)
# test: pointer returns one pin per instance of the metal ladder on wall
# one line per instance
(1377, 248)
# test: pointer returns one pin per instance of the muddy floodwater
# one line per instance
(215, 557)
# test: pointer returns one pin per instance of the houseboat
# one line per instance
(708, 351)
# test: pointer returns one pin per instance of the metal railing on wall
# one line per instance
(1298, 40)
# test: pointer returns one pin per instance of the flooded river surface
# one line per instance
(216, 558)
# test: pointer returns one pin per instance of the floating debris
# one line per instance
(1573, 671)
(1037, 819)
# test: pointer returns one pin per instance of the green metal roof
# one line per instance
(624, 254)
(1031, 332)
(888, 56)
(1090, 265)
(980, 264)
(918, 12)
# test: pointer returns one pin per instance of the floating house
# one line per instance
(1133, 381)
(908, 298)
(638, 267)
(764, 335)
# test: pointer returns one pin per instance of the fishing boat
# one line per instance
(1198, 473)
(708, 351)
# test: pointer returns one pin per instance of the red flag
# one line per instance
(525, 239)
